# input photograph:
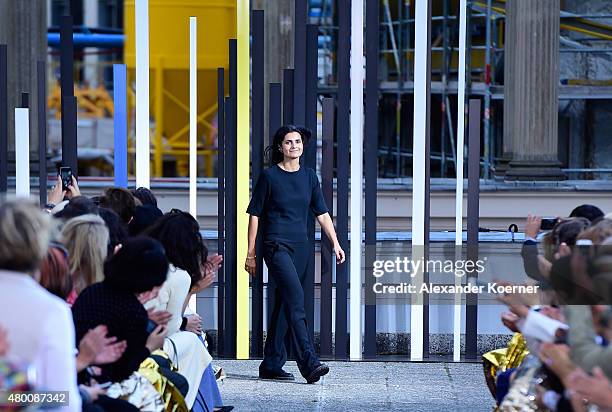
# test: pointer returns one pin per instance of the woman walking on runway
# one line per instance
(283, 196)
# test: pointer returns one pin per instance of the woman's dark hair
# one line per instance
(117, 230)
(120, 201)
(139, 266)
(77, 206)
(179, 233)
(145, 196)
(272, 152)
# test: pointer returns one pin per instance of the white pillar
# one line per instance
(421, 49)
(459, 173)
(143, 148)
(356, 119)
(91, 19)
(22, 152)
(193, 115)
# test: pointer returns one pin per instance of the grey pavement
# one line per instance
(360, 386)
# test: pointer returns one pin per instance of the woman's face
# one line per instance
(292, 146)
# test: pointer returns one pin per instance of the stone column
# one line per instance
(531, 82)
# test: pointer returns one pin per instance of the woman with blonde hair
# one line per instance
(86, 238)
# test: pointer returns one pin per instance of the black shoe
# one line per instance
(316, 374)
(280, 375)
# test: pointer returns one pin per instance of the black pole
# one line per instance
(327, 260)
(3, 119)
(221, 209)
(69, 113)
(300, 60)
(257, 132)
(371, 171)
(471, 313)
(310, 161)
(288, 96)
(342, 168)
(42, 131)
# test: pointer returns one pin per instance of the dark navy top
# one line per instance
(282, 201)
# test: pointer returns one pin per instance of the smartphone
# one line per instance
(66, 176)
(548, 223)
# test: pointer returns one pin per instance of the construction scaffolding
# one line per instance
(485, 60)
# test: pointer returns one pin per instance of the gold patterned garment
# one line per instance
(500, 360)
(138, 391)
(173, 400)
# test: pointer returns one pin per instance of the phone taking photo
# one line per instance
(66, 176)
(548, 223)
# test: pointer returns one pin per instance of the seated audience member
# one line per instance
(117, 230)
(57, 198)
(55, 273)
(144, 217)
(590, 212)
(86, 238)
(38, 325)
(77, 206)
(179, 233)
(145, 196)
(139, 267)
(121, 201)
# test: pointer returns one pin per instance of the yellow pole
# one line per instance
(242, 179)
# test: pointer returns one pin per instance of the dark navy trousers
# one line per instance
(287, 263)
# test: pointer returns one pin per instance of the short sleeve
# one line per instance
(260, 194)
(317, 202)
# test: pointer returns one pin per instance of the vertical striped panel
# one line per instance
(471, 314)
(342, 172)
(459, 173)
(327, 258)
(242, 179)
(3, 119)
(22, 152)
(288, 97)
(69, 116)
(310, 161)
(300, 62)
(419, 168)
(41, 78)
(143, 148)
(120, 124)
(257, 128)
(193, 116)
(357, 77)
(221, 209)
(371, 172)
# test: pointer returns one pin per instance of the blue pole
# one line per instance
(120, 123)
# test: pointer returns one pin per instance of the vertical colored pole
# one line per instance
(221, 210)
(357, 77)
(288, 100)
(242, 169)
(299, 63)
(3, 119)
(327, 258)
(42, 131)
(143, 148)
(22, 149)
(471, 314)
(371, 171)
(343, 130)
(193, 116)
(419, 168)
(459, 173)
(120, 124)
(69, 113)
(257, 165)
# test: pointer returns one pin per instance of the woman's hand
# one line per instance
(156, 338)
(595, 389)
(93, 391)
(159, 317)
(340, 256)
(194, 324)
(250, 265)
(73, 189)
(56, 194)
(96, 348)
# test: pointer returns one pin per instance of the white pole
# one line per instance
(418, 172)
(459, 171)
(193, 127)
(357, 78)
(143, 149)
(193, 115)
(22, 152)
